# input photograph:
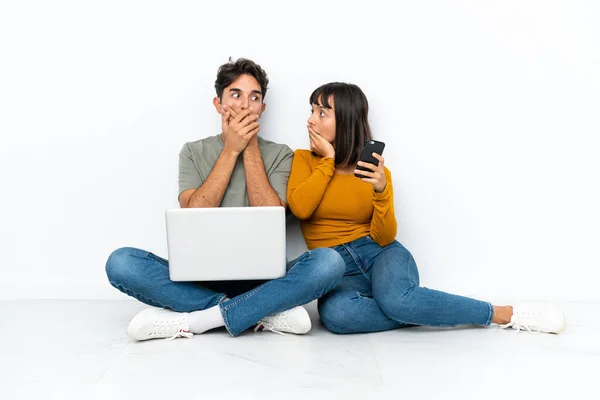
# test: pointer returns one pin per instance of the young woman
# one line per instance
(355, 216)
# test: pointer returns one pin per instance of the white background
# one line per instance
(489, 111)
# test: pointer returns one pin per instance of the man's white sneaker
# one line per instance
(158, 323)
(537, 317)
(295, 320)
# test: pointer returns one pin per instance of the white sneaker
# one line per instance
(537, 317)
(295, 320)
(158, 323)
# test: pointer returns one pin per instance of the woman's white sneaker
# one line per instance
(537, 317)
(159, 323)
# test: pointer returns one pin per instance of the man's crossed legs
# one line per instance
(187, 308)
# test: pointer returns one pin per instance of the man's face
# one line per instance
(322, 120)
(244, 92)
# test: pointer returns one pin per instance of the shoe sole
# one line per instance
(563, 326)
(134, 325)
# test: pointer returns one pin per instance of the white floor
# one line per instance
(79, 350)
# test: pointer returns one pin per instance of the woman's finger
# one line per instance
(364, 173)
(372, 167)
(369, 180)
(379, 158)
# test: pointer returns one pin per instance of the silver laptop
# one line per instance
(226, 243)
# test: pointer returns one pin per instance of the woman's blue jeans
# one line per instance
(380, 291)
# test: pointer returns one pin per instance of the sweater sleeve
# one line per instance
(383, 222)
(307, 187)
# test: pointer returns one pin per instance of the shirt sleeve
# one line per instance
(307, 187)
(383, 222)
(189, 177)
(279, 176)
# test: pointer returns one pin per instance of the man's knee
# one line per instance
(328, 265)
(118, 265)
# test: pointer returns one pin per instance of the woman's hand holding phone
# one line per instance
(377, 176)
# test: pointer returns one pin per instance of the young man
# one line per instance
(234, 169)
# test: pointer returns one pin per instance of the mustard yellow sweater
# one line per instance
(338, 208)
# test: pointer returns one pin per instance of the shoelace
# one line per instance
(181, 333)
(175, 329)
(267, 327)
(272, 322)
(518, 325)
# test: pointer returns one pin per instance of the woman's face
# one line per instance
(322, 120)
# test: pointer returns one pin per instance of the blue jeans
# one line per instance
(380, 291)
(145, 276)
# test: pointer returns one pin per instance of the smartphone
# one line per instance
(372, 146)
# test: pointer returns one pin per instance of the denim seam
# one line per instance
(157, 258)
(249, 294)
(154, 303)
(489, 321)
(225, 319)
(407, 322)
(219, 300)
(138, 296)
(257, 289)
(225, 309)
(308, 255)
(491, 314)
(356, 258)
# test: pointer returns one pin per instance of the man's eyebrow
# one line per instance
(240, 91)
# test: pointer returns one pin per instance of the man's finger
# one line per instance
(241, 115)
(225, 119)
(233, 111)
(247, 120)
(249, 128)
(253, 133)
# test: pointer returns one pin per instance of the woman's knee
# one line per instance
(395, 270)
(334, 315)
(396, 253)
(396, 304)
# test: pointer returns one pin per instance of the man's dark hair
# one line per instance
(352, 128)
(230, 71)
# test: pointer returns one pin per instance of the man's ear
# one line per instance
(217, 104)
(264, 105)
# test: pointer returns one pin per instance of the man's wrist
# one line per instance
(228, 152)
(252, 147)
